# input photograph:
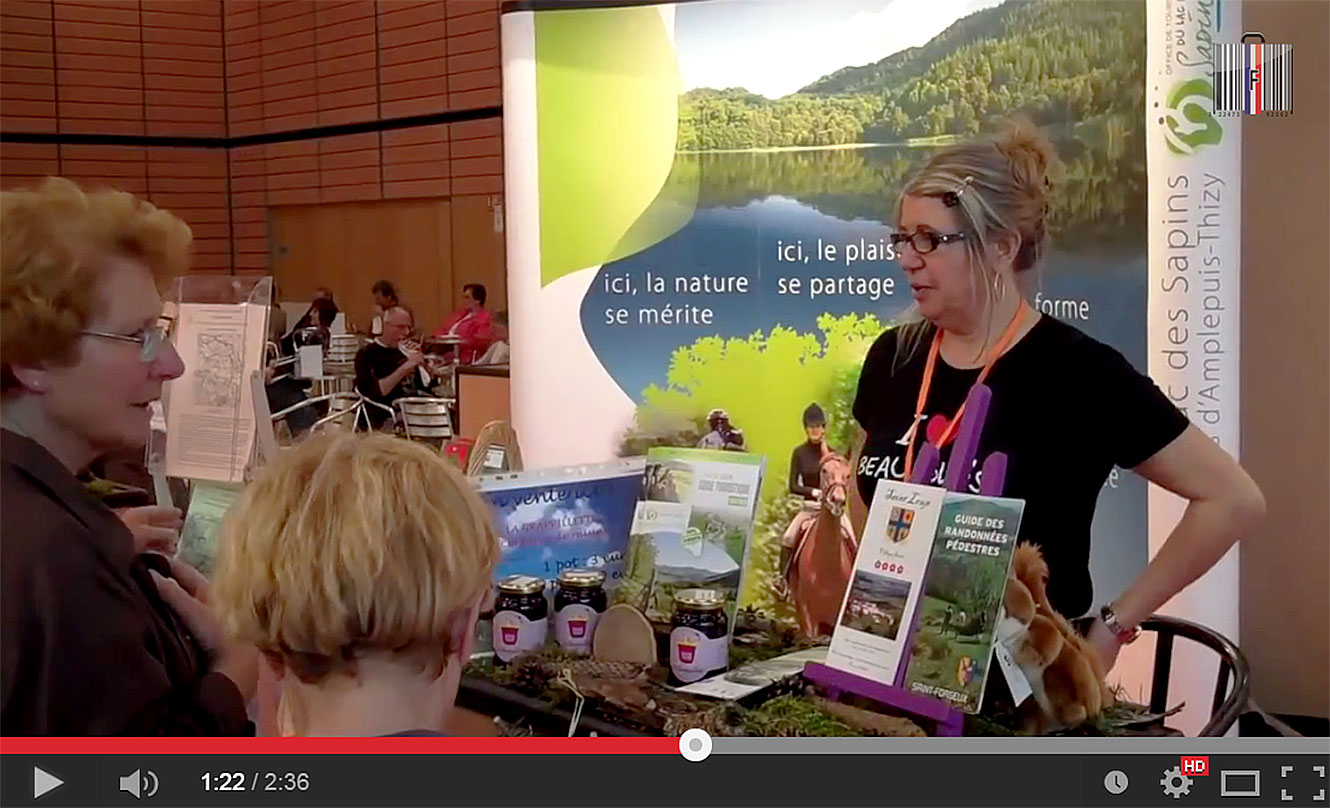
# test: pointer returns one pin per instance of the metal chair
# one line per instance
(346, 410)
(425, 419)
(1232, 687)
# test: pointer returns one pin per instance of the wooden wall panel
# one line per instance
(27, 67)
(192, 184)
(249, 207)
(97, 39)
(345, 47)
(413, 63)
(478, 249)
(124, 168)
(349, 168)
(237, 68)
(25, 165)
(347, 247)
(289, 65)
(184, 90)
(415, 162)
(473, 54)
(244, 67)
(476, 164)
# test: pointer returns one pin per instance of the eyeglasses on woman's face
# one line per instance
(925, 241)
(150, 339)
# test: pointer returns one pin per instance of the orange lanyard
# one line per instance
(950, 432)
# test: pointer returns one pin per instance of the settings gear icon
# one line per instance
(1175, 783)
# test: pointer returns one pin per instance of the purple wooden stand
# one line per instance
(949, 722)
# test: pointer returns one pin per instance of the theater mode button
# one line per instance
(43, 782)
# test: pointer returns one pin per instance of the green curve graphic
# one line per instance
(607, 95)
(1188, 122)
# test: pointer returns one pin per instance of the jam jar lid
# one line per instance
(582, 578)
(701, 599)
(521, 585)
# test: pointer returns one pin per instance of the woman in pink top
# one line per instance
(471, 323)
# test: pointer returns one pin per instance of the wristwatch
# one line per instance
(1122, 634)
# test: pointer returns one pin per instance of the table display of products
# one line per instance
(930, 576)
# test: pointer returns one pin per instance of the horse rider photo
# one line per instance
(722, 434)
(806, 468)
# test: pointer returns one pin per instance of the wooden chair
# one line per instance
(1232, 687)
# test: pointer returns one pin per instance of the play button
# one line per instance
(44, 783)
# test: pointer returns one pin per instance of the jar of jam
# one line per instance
(699, 636)
(521, 617)
(578, 605)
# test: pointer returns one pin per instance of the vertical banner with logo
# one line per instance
(1195, 251)
(701, 196)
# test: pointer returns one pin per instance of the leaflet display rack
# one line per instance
(207, 430)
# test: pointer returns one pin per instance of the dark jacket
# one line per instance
(87, 647)
(805, 469)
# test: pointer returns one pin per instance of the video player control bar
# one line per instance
(523, 780)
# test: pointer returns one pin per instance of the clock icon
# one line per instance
(1115, 782)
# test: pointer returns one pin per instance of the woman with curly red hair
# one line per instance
(93, 641)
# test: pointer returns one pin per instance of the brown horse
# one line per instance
(824, 553)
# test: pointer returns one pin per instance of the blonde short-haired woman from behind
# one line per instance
(358, 565)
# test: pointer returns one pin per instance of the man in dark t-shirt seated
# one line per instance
(389, 367)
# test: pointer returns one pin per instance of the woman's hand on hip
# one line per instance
(1104, 643)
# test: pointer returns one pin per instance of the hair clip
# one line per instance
(953, 198)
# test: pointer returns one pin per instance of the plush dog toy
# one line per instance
(1064, 671)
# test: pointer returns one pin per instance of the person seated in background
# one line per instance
(391, 366)
(314, 315)
(96, 636)
(499, 352)
(471, 324)
(358, 565)
(385, 297)
(317, 327)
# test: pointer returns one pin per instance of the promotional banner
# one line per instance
(1195, 254)
(701, 196)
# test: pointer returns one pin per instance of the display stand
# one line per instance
(949, 722)
(220, 331)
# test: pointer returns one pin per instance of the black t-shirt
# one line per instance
(375, 362)
(1065, 409)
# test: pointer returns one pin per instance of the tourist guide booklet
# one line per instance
(208, 505)
(961, 603)
(575, 517)
(692, 528)
(875, 618)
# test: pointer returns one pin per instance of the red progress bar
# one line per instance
(339, 746)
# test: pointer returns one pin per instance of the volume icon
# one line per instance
(137, 783)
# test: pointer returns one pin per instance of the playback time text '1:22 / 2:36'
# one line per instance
(255, 781)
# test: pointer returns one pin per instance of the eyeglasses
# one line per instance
(149, 339)
(925, 241)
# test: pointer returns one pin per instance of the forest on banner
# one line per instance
(1056, 62)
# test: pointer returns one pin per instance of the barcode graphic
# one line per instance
(1252, 79)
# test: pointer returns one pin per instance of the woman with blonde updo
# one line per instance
(358, 565)
(972, 225)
